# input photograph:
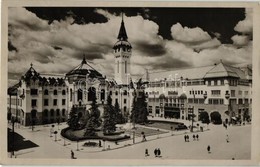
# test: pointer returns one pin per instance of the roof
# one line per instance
(122, 36)
(223, 70)
(188, 73)
(85, 69)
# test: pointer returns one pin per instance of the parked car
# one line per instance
(181, 127)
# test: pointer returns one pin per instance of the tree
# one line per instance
(119, 116)
(139, 111)
(216, 117)
(204, 117)
(94, 119)
(109, 124)
(73, 120)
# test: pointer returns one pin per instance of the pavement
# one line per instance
(171, 144)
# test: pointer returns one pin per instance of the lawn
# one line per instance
(163, 125)
(147, 131)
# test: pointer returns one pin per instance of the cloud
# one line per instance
(189, 35)
(246, 26)
(59, 47)
(20, 17)
(240, 40)
(195, 38)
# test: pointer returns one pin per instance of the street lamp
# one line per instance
(227, 96)
(55, 133)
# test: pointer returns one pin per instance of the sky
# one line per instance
(54, 39)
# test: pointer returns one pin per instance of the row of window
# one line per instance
(54, 113)
(46, 102)
(195, 92)
(216, 101)
(196, 100)
(46, 92)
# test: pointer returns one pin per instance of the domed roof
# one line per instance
(85, 69)
(183, 96)
(162, 96)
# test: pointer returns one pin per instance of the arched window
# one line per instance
(116, 92)
(58, 112)
(70, 94)
(102, 94)
(46, 92)
(52, 112)
(125, 92)
(55, 92)
(79, 94)
(45, 113)
(63, 112)
(63, 92)
(91, 93)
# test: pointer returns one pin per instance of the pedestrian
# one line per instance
(72, 154)
(146, 152)
(188, 138)
(159, 152)
(144, 138)
(193, 136)
(197, 136)
(185, 138)
(208, 148)
(227, 139)
(155, 152)
(99, 143)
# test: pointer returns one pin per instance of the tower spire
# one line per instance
(122, 36)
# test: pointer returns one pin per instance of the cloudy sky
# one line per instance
(55, 39)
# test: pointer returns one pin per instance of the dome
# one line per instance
(183, 96)
(162, 96)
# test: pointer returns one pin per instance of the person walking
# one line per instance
(99, 143)
(185, 138)
(188, 138)
(193, 137)
(227, 139)
(159, 152)
(208, 148)
(155, 152)
(146, 152)
(72, 154)
(197, 136)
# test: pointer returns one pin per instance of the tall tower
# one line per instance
(122, 52)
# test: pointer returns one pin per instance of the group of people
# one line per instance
(187, 138)
(157, 152)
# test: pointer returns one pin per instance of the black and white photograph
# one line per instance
(151, 83)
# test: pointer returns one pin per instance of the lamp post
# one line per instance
(55, 133)
(227, 96)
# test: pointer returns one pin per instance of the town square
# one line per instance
(129, 83)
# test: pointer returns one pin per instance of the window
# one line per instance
(125, 92)
(240, 92)
(240, 101)
(70, 94)
(110, 93)
(34, 91)
(195, 92)
(116, 100)
(216, 101)
(63, 92)
(55, 102)
(215, 92)
(246, 101)
(215, 82)
(63, 101)
(222, 81)
(233, 93)
(116, 93)
(198, 92)
(150, 109)
(124, 101)
(209, 83)
(190, 100)
(246, 92)
(201, 92)
(52, 112)
(34, 102)
(125, 66)
(46, 102)
(46, 92)
(58, 112)
(55, 92)
(63, 112)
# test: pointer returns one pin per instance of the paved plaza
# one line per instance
(171, 146)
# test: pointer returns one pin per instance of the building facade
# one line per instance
(183, 92)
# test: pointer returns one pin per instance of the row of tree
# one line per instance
(112, 115)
